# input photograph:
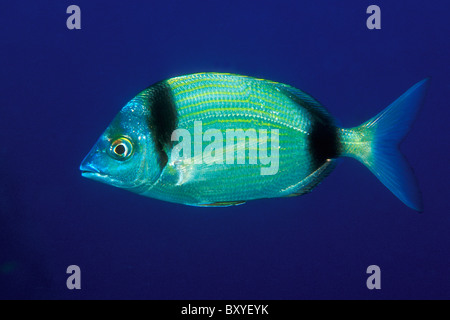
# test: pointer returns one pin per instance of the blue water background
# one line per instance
(61, 88)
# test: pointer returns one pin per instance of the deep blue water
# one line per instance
(61, 88)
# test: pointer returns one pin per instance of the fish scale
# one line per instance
(242, 100)
(245, 97)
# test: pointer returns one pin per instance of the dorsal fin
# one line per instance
(306, 101)
(323, 138)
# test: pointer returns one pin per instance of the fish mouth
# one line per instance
(89, 171)
(90, 174)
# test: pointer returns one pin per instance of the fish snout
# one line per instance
(88, 168)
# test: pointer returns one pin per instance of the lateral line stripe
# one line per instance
(176, 83)
(284, 115)
(280, 125)
(178, 93)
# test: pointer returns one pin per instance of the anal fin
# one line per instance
(313, 180)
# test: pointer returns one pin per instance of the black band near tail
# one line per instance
(163, 118)
(323, 141)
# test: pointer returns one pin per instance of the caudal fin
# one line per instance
(375, 143)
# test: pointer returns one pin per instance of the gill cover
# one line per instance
(131, 154)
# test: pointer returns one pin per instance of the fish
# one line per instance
(218, 140)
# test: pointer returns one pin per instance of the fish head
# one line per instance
(125, 155)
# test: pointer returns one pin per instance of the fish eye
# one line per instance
(121, 148)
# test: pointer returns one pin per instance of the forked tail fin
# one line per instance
(375, 143)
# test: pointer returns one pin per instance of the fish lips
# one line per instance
(91, 172)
